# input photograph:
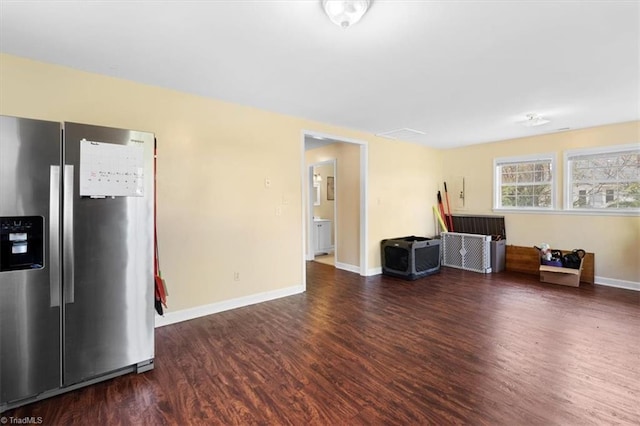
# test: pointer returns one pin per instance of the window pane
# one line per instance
(525, 184)
(508, 191)
(508, 174)
(509, 201)
(609, 180)
(526, 167)
(525, 201)
(629, 196)
(525, 177)
(544, 200)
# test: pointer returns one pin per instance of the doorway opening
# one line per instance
(348, 159)
(323, 207)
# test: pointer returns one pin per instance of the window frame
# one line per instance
(569, 155)
(551, 157)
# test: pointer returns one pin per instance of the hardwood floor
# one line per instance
(327, 259)
(453, 348)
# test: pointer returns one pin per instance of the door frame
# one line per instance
(306, 197)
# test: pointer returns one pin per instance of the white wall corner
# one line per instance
(374, 271)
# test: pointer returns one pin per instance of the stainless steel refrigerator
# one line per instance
(76, 256)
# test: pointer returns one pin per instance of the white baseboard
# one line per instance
(347, 267)
(612, 282)
(374, 271)
(214, 308)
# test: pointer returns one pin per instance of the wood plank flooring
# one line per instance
(454, 348)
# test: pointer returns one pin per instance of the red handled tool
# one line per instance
(159, 284)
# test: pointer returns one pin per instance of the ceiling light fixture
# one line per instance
(534, 120)
(345, 13)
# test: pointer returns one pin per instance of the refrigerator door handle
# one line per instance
(67, 236)
(54, 236)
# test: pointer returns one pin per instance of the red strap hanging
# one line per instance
(159, 284)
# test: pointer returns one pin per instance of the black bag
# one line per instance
(556, 255)
(574, 259)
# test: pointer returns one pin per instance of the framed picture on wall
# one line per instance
(330, 188)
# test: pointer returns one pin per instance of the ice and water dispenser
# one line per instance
(21, 243)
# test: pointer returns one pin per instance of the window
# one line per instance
(582, 197)
(524, 182)
(605, 179)
(609, 197)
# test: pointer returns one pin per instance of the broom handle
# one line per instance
(450, 217)
(441, 208)
(442, 224)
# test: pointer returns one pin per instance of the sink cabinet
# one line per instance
(322, 236)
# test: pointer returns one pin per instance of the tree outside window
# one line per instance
(604, 180)
(524, 183)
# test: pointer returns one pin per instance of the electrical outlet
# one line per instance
(236, 276)
(278, 211)
(267, 183)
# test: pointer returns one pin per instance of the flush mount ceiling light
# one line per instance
(345, 13)
(534, 120)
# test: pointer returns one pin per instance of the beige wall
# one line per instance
(615, 240)
(348, 196)
(216, 217)
(403, 181)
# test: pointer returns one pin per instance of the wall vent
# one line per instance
(403, 134)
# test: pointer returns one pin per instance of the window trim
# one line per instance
(549, 156)
(568, 154)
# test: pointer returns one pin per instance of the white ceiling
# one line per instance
(462, 72)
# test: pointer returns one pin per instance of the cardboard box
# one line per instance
(559, 275)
